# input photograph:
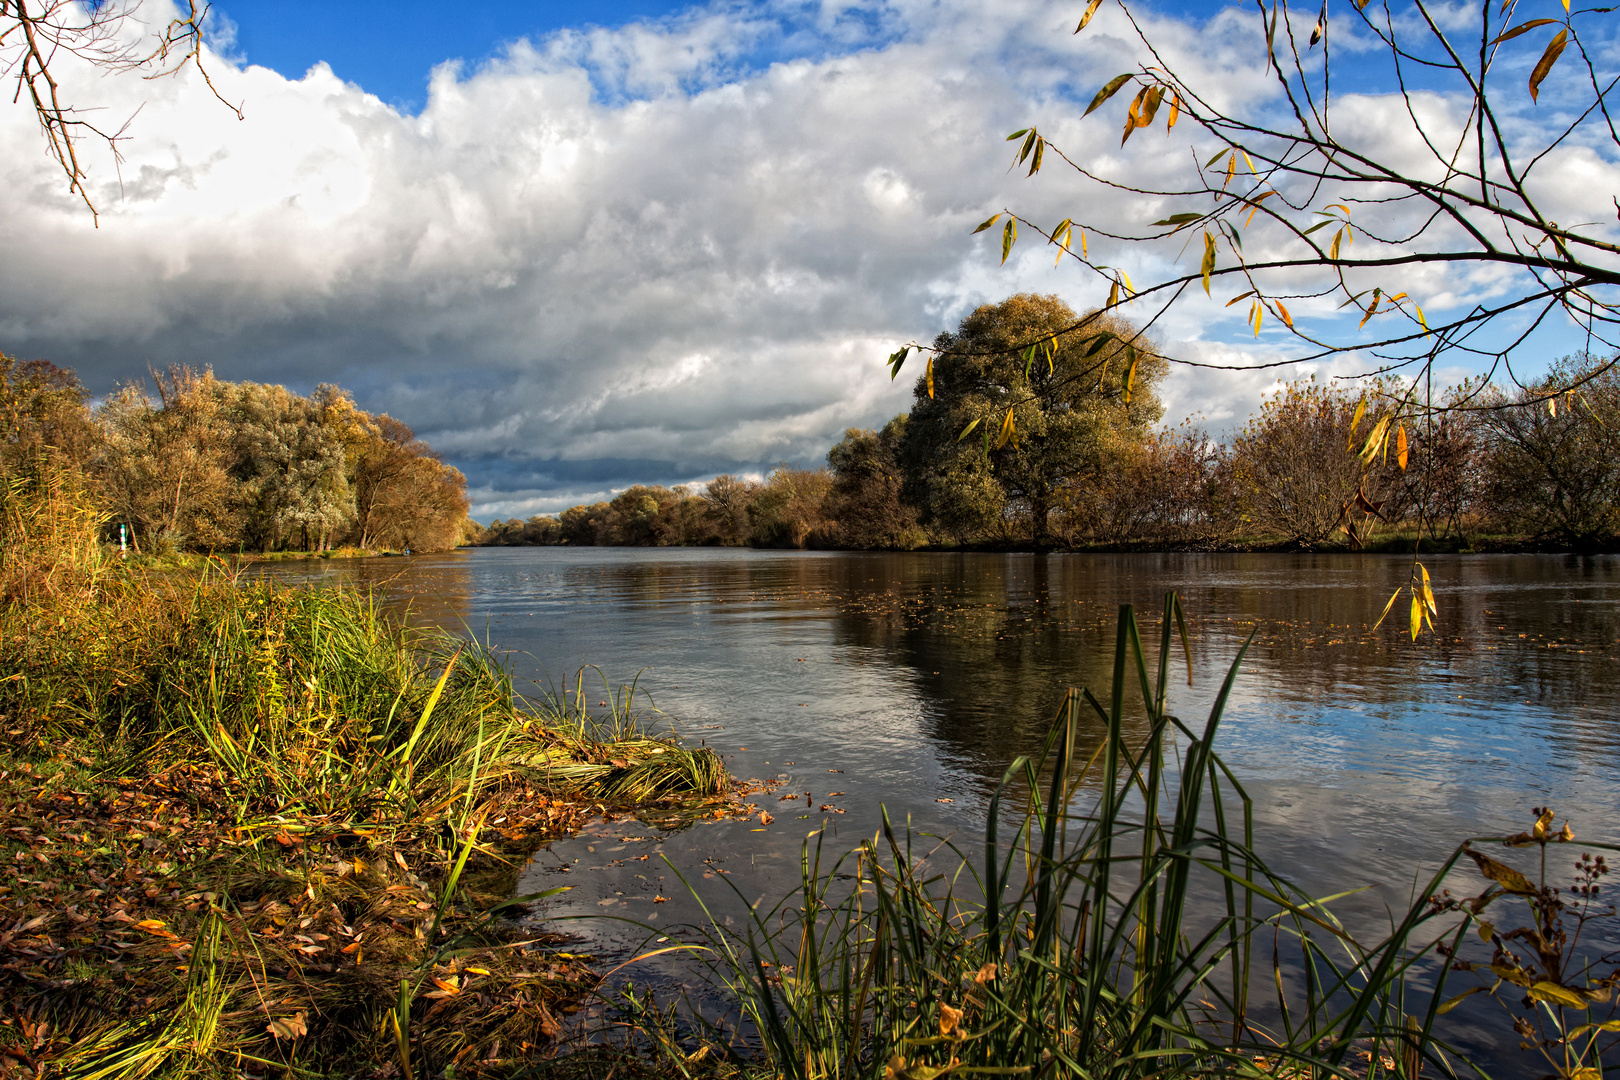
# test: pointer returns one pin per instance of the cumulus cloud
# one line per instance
(654, 253)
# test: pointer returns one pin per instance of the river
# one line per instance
(856, 681)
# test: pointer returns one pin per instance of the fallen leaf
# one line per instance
(289, 1027)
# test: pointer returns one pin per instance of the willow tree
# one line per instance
(1000, 428)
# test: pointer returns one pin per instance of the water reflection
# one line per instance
(918, 677)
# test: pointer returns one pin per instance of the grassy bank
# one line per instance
(256, 830)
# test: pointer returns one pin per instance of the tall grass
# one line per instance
(1110, 928)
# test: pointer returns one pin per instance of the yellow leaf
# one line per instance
(1175, 111)
(1113, 293)
(1256, 313)
(1209, 259)
(1355, 422)
(1375, 439)
(1006, 432)
(1130, 377)
(1371, 308)
(1333, 249)
(1452, 1003)
(1282, 313)
(1428, 592)
(1231, 167)
(929, 375)
(1555, 49)
(1417, 617)
(1240, 296)
(1546, 990)
(1421, 320)
(1083, 252)
(1394, 596)
(986, 223)
(1009, 234)
(1505, 876)
(1400, 446)
(1552, 405)
(948, 1018)
(1249, 163)
(1091, 9)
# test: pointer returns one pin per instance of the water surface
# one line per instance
(911, 680)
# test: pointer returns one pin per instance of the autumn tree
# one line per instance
(43, 415)
(1002, 427)
(166, 465)
(787, 510)
(1552, 464)
(864, 503)
(727, 498)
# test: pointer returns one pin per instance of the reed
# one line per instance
(1110, 928)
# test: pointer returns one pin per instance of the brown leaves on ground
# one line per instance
(115, 889)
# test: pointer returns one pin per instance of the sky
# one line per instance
(581, 246)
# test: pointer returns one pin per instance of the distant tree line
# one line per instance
(194, 463)
(1060, 447)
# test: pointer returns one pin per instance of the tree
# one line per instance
(43, 414)
(864, 503)
(1553, 470)
(727, 498)
(786, 512)
(292, 466)
(168, 466)
(1296, 475)
(1045, 417)
(1175, 487)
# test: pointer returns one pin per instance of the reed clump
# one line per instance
(265, 829)
(1119, 922)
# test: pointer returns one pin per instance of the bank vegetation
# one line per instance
(1082, 461)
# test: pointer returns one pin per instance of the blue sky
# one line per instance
(390, 47)
(633, 243)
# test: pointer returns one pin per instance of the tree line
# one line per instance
(1058, 445)
(191, 462)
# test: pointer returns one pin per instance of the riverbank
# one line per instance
(1400, 542)
(256, 828)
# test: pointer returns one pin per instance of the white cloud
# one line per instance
(611, 255)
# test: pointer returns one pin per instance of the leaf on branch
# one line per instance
(1417, 617)
(1555, 49)
(1109, 90)
(1558, 995)
(1428, 600)
(1113, 294)
(1375, 439)
(1257, 312)
(1209, 259)
(1321, 26)
(1254, 205)
(1040, 149)
(1504, 875)
(1453, 1002)
(1091, 9)
(929, 375)
(1006, 433)
(1175, 112)
(1522, 28)
(967, 430)
(896, 359)
(1210, 164)
(1178, 219)
(1333, 249)
(1029, 144)
(1097, 343)
(1240, 296)
(1019, 134)
(1231, 168)
(1400, 446)
(1282, 313)
(1130, 376)
(1371, 308)
(989, 221)
(1009, 235)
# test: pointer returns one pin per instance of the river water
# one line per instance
(856, 681)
